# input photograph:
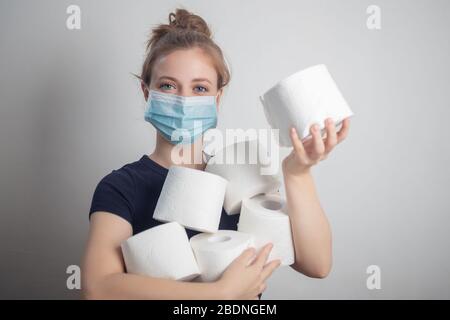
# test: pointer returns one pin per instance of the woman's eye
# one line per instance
(202, 89)
(165, 86)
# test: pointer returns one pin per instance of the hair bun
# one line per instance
(183, 19)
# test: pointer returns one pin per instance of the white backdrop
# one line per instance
(71, 112)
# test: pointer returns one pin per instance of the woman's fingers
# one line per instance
(297, 143)
(246, 257)
(269, 268)
(318, 145)
(261, 259)
(331, 139)
(342, 134)
(262, 287)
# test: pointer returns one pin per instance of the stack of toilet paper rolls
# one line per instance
(193, 198)
(241, 165)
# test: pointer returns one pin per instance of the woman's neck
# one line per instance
(190, 156)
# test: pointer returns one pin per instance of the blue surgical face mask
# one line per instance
(181, 119)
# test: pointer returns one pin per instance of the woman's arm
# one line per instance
(104, 277)
(103, 271)
(310, 228)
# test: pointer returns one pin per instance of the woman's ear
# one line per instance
(219, 96)
(144, 90)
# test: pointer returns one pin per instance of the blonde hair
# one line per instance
(184, 31)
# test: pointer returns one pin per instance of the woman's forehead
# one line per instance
(185, 65)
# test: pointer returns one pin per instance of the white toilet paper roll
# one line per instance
(161, 252)
(266, 218)
(215, 251)
(191, 197)
(242, 165)
(302, 99)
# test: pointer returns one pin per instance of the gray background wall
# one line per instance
(70, 112)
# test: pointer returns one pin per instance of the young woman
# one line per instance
(183, 60)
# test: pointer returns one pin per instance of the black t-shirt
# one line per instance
(132, 191)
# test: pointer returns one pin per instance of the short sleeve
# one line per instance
(115, 194)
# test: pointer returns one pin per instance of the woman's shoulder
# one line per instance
(124, 175)
(121, 175)
(116, 191)
(125, 191)
(126, 182)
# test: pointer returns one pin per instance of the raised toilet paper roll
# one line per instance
(266, 218)
(191, 197)
(215, 251)
(302, 99)
(161, 252)
(240, 164)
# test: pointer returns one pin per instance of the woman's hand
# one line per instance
(245, 277)
(312, 151)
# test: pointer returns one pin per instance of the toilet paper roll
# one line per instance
(241, 165)
(302, 99)
(161, 252)
(266, 218)
(191, 197)
(215, 251)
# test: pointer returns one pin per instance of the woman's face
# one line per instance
(187, 72)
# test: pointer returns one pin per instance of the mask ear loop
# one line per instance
(207, 156)
(148, 93)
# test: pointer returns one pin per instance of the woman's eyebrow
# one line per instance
(193, 80)
(201, 79)
(167, 77)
